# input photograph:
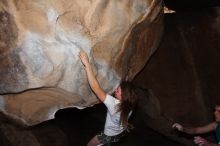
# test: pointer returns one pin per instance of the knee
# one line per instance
(91, 144)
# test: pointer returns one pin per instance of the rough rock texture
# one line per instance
(153, 117)
(39, 44)
(184, 73)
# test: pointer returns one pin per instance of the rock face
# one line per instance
(184, 73)
(39, 44)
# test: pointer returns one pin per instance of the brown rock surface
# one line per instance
(184, 73)
(39, 44)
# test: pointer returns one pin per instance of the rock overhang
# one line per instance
(41, 71)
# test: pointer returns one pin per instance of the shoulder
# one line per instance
(213, 125)
(111, 103)
(111, 99)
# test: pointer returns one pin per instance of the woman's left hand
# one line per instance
(201, 141)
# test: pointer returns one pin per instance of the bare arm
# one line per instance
(93, 82)
(195, 130)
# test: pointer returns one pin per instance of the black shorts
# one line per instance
(104, 139)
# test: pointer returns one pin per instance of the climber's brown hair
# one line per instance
(128, 101)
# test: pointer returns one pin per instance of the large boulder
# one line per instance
(39, 44)
(184, 73)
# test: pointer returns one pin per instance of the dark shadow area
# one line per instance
(183, 5)
(81, 125)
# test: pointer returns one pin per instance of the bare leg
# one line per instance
(94, 141)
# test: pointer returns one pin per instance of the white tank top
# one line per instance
(112, 123)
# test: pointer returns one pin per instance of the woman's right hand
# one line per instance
(84, 58)
(177, 126)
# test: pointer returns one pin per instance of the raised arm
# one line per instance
(195, 130)
(93, 82)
